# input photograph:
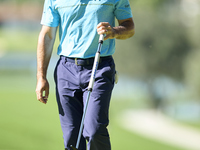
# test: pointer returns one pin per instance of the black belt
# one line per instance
(83, 62)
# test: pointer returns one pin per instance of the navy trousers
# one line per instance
(72, 77)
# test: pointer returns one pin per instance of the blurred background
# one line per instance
(156, 103)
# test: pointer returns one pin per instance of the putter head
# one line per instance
(73, 148)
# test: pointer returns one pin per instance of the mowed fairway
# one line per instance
(27, 124)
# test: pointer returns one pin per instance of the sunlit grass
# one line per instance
(19, 40)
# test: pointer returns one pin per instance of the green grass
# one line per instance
(20, 40)
(28, 124)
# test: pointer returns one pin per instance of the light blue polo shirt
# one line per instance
(78, 20)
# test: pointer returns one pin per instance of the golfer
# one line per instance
(80, 23)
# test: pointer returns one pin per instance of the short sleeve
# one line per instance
(122, 9)
(50, 16)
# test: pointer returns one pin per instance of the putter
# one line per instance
(90, 87)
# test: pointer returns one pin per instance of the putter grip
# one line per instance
(101, 38)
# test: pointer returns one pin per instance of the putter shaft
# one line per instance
(90, 87)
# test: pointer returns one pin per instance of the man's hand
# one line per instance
(42, 90)
(123, 31)
(107, 29)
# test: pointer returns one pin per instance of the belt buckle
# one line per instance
(76, 61)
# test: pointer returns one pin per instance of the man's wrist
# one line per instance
(41, 76)
(117, 31)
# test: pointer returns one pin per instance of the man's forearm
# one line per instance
(124, 30)
(43, 56)
(44, 51)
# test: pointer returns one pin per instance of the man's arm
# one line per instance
(44, 50)
(125, 29)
